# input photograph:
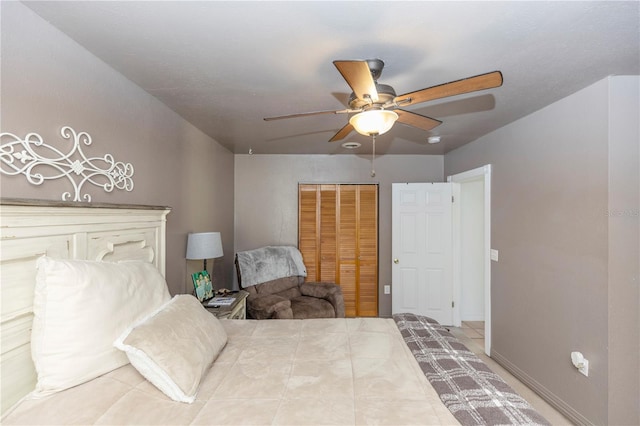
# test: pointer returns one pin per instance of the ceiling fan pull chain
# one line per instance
(373, 157)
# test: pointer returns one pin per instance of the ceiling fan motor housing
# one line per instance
(375, 66)
(385, 94)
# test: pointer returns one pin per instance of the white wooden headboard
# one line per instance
(30, 229)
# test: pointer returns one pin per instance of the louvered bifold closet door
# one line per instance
(317, 230)
(367, 237)
(309, 229)
(328, 242)
(348, 247)
(338, 238)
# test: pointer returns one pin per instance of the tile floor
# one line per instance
(474, 330)
(471, 334)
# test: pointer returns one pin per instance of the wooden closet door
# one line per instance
(367, 237)
(309, 229)
(338, 239)
(348, 247)
(328, 242)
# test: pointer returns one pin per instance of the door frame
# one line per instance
(484, 174)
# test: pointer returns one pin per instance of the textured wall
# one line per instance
(266, 201)
(551, 287)
(49, 81)
(624, 250)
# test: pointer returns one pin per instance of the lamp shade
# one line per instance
(373, 121)
(204, 245)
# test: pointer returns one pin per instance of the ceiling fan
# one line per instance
(376, 107)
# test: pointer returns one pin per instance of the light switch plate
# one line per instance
(494, 255)
(387, 289)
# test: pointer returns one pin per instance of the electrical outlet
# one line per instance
(584, 369)
(387, 289)
(580, 362)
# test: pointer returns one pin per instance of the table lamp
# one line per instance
(204, 245)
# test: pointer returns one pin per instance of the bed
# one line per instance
(174, 363)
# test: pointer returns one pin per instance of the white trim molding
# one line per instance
(482, 173)
(40, 162)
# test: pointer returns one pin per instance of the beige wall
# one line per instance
(556, 288)
(624, 250)
(49, 81)
(266, 201)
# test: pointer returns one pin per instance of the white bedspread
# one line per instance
(279, 372)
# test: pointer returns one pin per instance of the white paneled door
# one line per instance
(422, 250)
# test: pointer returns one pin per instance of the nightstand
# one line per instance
(237, 310)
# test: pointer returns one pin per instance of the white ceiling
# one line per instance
(224, 65)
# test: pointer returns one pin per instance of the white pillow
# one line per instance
(174, 347)
(79, 308)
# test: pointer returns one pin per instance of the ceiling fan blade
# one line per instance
(342, 133)
(458, 87)
(358, 77)
(416, 120)
(306, 114)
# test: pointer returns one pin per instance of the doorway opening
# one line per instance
(472, 248)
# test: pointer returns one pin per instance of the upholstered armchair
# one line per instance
(274, 276)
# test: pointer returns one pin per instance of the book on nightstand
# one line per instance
(219, 301)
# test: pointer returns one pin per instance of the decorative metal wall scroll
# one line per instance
(40, 162)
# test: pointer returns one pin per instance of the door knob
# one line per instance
(396, 261)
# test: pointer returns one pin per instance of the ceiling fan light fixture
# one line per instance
(373, 121)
